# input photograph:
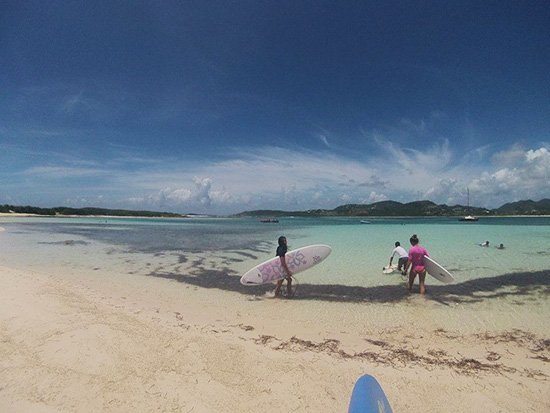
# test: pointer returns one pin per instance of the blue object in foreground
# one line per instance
(368, 397)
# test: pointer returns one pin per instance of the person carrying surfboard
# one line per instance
(403, 257)
(281, 251)
(416, 264)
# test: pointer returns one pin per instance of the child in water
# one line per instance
(416, 264)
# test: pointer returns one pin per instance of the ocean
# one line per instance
(495, 288)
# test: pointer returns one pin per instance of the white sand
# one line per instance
(130, 343)
(16, 215)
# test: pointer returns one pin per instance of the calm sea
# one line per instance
(359, 250)
(214, 252)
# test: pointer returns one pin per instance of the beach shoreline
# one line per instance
(77, 343)
(18, 215)
(25, 215)
(191, 216)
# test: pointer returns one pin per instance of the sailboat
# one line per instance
(469, 218)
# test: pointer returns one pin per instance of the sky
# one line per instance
(219, 107)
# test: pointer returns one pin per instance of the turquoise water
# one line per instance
(359, 250)
(494, 289)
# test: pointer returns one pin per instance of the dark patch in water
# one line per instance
(247, 255)
(193, 236)
(66, 242)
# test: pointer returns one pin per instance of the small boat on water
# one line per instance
(469, 218)
(270, 220)
(364, 221)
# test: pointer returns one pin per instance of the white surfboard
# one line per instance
(389, 269)
(297, 260)
(437, 271)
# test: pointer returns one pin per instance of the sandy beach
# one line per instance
(112, 344)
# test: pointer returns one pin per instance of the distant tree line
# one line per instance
(382, 208)
(84, 211)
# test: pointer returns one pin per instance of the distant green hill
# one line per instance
(383, 208)
(377, 209)
(528, 207)
(416, 208)
(412, 209)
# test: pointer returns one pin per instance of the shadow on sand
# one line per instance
(507, 285)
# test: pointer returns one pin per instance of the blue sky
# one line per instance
(225, 106)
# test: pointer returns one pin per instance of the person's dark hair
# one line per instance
(397, 243)
(414, 240)
(281, 241)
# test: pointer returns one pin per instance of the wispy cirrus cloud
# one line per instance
(312, 180)
(283, 178)
(64, 172)
(272, 177)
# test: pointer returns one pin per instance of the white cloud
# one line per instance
(345, 198)
(509, 157)
(375, 197)
(525, 176)
(293, 178)
(71, 103)
(287, 179)
(450, 191)
(324, 139)
(432, 160)
(202, 190)
(541, 154)
(57, 172)
(176, 196)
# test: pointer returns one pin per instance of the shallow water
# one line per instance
(494, 288)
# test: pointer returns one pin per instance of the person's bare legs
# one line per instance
(412, 276)
(421, 279)
(278, 288)
(289, 287)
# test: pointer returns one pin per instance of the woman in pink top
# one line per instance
(416, 264)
